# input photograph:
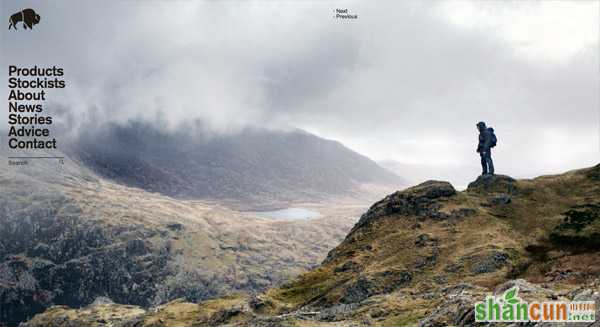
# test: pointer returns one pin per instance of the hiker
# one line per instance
(487, 140)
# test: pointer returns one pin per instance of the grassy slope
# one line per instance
(387, 272)
(520, 229)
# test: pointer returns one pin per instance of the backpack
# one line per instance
(493, 138)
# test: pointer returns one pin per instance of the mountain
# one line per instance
(253, 166)
(71, 237)
(143, 216)
(422, 256)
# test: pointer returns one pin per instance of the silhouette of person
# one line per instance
(487, 140)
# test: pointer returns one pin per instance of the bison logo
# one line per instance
(27, 16)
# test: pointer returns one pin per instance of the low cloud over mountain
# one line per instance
(254, 165)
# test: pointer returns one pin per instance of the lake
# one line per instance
(286, 214)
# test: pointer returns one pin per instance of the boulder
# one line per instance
(490, 263)
(431, 190)
(493, 184)
(417, 200)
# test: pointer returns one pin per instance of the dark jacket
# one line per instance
(485, 140)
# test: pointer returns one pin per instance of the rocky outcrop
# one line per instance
(417, 200)
(74, 263)
(379, 283)
(457, 305)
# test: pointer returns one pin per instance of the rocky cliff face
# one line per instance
(68, 237)
(424, 256)
(57, 256)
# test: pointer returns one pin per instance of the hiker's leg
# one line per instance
(483, 163)
(490, 163)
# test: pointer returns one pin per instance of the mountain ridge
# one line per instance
(253, 165)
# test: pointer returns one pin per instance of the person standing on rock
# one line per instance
(487, 140)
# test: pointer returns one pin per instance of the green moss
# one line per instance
(307, 287)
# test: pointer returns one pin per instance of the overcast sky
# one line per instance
(406, 81)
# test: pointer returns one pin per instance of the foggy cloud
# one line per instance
(406, 81)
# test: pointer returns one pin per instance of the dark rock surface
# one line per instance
(72, 261)
(359, 290)
(490, 263)
(175, 226)
(498, 199)
(580, 227)
(417, 200)
(493, 184)
(379, 283)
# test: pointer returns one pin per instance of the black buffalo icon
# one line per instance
(27, 16)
